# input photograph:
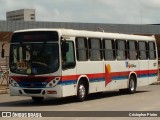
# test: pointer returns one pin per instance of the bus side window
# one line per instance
(152, 50)
(143, 50)
(81, 49)
(132, 50)
(95, 50)
(121, 49)
(68, 57)
(109, 49)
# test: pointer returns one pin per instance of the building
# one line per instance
(21, 15)
(7, 28)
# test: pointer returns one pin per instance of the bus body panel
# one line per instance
(69, 76)
(133, 67)
(143, 73)
(118, 75)
(153, 71)
(95, 76)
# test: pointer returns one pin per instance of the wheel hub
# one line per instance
(132, 85)
(82, 91)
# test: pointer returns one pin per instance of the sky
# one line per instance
(88, 11)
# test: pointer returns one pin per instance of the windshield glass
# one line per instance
(34, 58)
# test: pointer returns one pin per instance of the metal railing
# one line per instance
(4, 72)
(4, 78)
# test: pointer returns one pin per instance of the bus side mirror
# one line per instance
(2, 53)
(65, 47)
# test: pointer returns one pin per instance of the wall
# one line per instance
(4, 60)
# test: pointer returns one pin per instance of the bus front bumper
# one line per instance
(36, 92)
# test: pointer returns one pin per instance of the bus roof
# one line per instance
(93, 34)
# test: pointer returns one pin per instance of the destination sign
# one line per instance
(36, 36)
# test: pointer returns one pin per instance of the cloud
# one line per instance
(44, 14)
(151, 4)
(89, 11)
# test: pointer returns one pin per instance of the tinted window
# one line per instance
(109, 49)
(95, 49)
(132, 50)
(68, 58)
(152, 51)
(143, 50)
(81, 48)
(121, 49)
(34, 59)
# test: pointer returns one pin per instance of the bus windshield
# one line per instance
(34, 58)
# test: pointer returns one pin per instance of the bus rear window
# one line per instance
(35, 36)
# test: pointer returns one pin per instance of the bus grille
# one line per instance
(32, 91)
(34, 79)
(33, 82)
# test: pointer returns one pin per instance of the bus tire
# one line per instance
(37, 99)
(132, 85)
(81, 91)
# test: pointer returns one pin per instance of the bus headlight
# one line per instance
(13, 83)
(53, 82)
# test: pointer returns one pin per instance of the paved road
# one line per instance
(145, 99)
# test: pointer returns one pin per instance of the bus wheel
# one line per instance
(81, 91)
(132, 85)
(37, 99)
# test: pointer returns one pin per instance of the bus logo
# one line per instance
(108, 74)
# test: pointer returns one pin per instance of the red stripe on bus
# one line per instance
(69, 77)
(115, 74)
(147, 72)
(90, 76)
(96, 75)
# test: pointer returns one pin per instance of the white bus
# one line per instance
(63, 62)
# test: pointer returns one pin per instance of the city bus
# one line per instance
(59, 63)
